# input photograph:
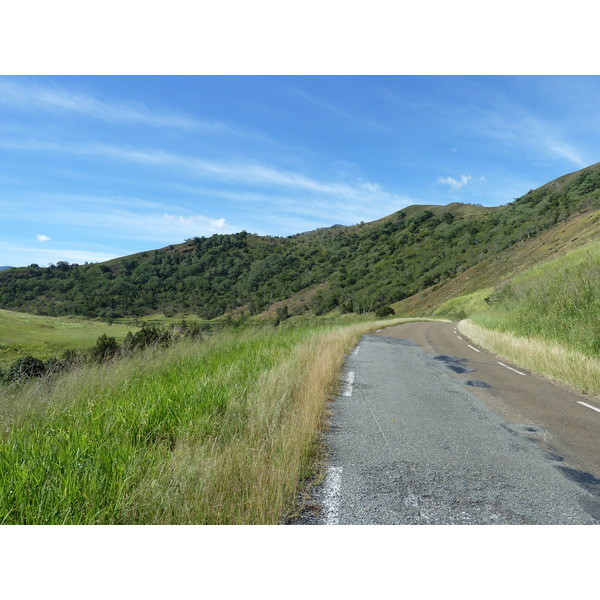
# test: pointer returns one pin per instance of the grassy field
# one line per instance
(557, 301)
(222, 431)
(23, 334)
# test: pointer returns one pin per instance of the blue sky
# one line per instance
(94, 167)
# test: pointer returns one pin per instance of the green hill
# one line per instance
(414, 259)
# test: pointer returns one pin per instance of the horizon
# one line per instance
(99, 167)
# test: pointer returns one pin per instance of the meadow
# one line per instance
(225, 430)
(22, 334)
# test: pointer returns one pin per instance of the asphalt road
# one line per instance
(430, 429)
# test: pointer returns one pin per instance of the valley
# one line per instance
(207, 369)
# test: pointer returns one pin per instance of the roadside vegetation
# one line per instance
(547, 319)
(222, 430)
(558, 301)
(553, 360)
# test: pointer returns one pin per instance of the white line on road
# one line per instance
(592, 407)
(332, 491)
(349, 382)
(507, 367)
(458, 336)
(472, 348)
(356, 351)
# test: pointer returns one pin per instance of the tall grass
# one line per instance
(547, 319)
(555, 361)
(215, 432)
(558, 301)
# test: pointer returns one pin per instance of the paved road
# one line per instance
(430, 429)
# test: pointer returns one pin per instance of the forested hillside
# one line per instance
(357, 268)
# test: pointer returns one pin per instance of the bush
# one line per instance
(26, 367)
(385, 311)
(105, 348)
(282, 314)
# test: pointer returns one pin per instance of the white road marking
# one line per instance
(472, 348)
(332, 491)
(356, 351)
(458, 336)
(592, 407)
(507, 367)
(349, 382)
(378, 331)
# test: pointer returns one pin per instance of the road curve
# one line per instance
(430, 429)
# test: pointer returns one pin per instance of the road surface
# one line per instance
(430, 429)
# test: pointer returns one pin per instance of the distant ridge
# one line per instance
(4, 268)
(410, 260)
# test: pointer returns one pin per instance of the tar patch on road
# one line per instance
(476, 383)
(454, 363)
(590, 484)
(585, 480)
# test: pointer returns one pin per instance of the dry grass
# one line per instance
(255, 475)
(551, 360)
(224, 431)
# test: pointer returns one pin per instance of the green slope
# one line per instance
(353, 269)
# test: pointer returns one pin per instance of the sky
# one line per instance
(95, 167)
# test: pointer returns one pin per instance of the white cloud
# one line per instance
(197, 221)
(20, 256)
(42, 238)
(455, 184)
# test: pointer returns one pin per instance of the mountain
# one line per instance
(415, 259)
(4, 268)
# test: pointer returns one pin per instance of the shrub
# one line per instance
(105, 348)
(384, 311)
(26, 367)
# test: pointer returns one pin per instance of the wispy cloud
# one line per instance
(150, 227)
(247, 173)
(19, 256)
(42, 238)
(356, 120)
(31, 95)
(515, 126)
(455, 184)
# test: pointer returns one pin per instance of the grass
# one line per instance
(557, 301)
(222, 431)
(22, 334)
(459, 307)
(546, 319)
(555, 361)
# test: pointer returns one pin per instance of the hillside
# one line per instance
(415, 259)
(467, 290)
